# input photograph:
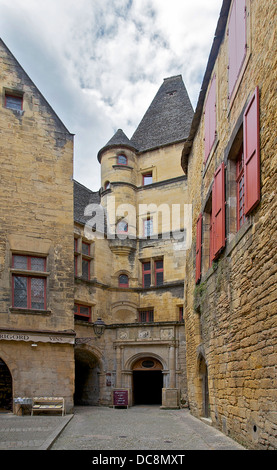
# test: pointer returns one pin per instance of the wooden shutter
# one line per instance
(218, 211)
(198, 247)
(210, 118)
(236, 41)
(251, 144)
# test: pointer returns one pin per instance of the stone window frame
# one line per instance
(30, 274)
(80, 256)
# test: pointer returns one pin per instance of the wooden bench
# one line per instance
(48, 404)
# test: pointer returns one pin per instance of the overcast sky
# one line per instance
(99, 63)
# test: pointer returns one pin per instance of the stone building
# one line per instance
(175, 254)
(230, 284)
(36, 257)
(131, 274)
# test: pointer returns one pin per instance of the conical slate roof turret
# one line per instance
(167, 119)
(118, 140)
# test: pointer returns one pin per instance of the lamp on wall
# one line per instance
(99, 327)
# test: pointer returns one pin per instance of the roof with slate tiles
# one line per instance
(167, 120)
(82, 198)
(168, 117)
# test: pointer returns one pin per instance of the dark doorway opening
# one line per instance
(147, 386)
(6, 401)
(86, 379)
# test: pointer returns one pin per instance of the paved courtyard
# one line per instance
(139, 428)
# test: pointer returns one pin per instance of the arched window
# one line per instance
(122, 159)
(107, 185)
(123, 280)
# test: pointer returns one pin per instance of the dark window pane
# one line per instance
(37, 264)
(85, 269)
(159, 264)
(159, 278)
(85, 249)
(123, 280)
(19, 262)
(147, 280)
(37, 293)
(121, 160)
(14, 102)
(20, 292)
(84, 310)
(146, 266)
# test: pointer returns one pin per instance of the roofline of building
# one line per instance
(218, 37)
(31, 81)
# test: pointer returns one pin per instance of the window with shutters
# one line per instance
(210, 118)
(243, 168)
(198, 248)
(29, 282)
(218, 212)
(237, 45)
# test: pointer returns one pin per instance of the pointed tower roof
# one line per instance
(167, 119)
(118, 140)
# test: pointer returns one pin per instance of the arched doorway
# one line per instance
(87, 368)
(147, 381)
(5, 387)
(203, 373)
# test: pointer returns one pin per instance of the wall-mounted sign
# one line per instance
(36, 338)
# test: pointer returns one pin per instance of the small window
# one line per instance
(123, 280)
(159, 272)
(181, 314)
(82, 312)
(147, 178)
(122, 227)
(146, 316)
(122, 160)
(86, 261)
(148, 227)
(29, 289)
(14, 102)
(107, 185)
(146, 274)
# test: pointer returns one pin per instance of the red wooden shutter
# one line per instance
(236, 41)
(251, 144)
(198, 247)
(218, 210)
(210, 118)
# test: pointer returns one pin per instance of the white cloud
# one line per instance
(100, 62)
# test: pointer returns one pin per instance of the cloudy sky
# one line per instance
(99, 63)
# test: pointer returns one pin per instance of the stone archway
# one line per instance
(6, 393)
(87, 373)
(147, 381)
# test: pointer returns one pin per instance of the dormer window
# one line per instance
(122, 159)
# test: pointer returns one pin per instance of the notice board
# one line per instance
(120, 397)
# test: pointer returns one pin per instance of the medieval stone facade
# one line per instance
(189, 310)
(230, 162)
